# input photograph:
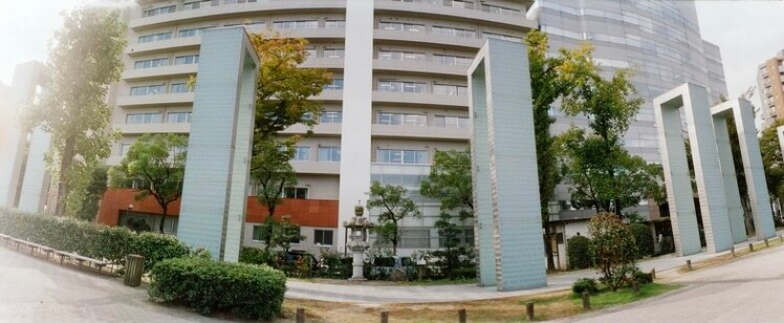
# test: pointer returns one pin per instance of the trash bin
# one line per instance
(134, 268)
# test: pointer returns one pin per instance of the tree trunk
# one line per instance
(163, 219)
(62, 185)
(548, 248)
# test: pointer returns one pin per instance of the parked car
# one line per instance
(293, 256)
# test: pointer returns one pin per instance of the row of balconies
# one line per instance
(422, 38)
(327, 129)
(409, 66)
(268, 6)
(409, 99)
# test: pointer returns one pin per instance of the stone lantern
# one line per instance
(359, 226)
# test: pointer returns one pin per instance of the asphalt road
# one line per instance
(747, 290)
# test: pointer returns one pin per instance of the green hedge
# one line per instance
(90, 239)
(643, 238)
(248, 291)
(579, 252)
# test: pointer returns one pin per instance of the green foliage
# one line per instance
(256, 256)
(452, 264)
(394, 205)
(157, 164)
(602, 173)
(585, 285)
(642, 278)
(86, 199)
(285, 233)
(272, 171)
(553, 77)
(450, 182)
(90, 239)
(334, 265)
(643, 238)
(248, 291)
(84, 60)
(772, 161)
(448, 231)
(613, 248)
(579, 252)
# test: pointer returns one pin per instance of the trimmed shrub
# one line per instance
(92, 240)
(642, 278)
(248, 291)
(257, 256)
(579, 252)
(643, 238)
(585, 285)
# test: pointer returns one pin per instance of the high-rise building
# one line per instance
(660, 41)
(399, 93)
(770, 81)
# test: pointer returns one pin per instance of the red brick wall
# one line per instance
(312, 213)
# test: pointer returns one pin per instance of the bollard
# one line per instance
(300, 315)
(586, 301)
(384, 317)
(636, 288)
(733, 251)
(134, 268)
(766, 243)
(653, 273)
(461, 315)
(751, 247)
(529, 310)
(688, 264)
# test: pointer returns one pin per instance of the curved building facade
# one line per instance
(399, 93)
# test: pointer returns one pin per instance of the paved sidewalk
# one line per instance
(374, 294)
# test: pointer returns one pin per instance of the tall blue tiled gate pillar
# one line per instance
(508, 222)
(214, 193)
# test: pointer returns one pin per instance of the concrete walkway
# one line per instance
(375, 294)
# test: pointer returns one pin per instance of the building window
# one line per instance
(451, 31)
(400, 26)
(181, 88)
(454, 90)
(295, 193)
(391, 55)
(500, 10)
(402, 119)
(334, 24)
(188, 59)
(151, 63)
(334, 52)
(414, 238)
(336, 84)
(258, 233)
(143, 118)
(155, 37)
(147, 90)
(192, 32)
(452, 60)
(301, 153)
(329, 154)
(159, 11)
(331, 117)
(323, 237)
(178, 117)
(295, 24)
(401, 156)
(399, 86)
(452, 122)
(124, 149)
(503, 37)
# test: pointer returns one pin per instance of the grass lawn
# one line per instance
(547, 306)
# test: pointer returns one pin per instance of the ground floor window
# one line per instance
(141, 222)
(414, 238)
(323, 237)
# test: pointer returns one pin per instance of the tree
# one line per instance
(156, 163)
(553, 77)
(285, 233)
(87, 205)
(273, 172)
(394, 206)
(450, 182)
(84, 59)
(603, 174)
(284, 91)
(613, 249)
(772, 160)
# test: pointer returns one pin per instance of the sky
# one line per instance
(748, 33)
